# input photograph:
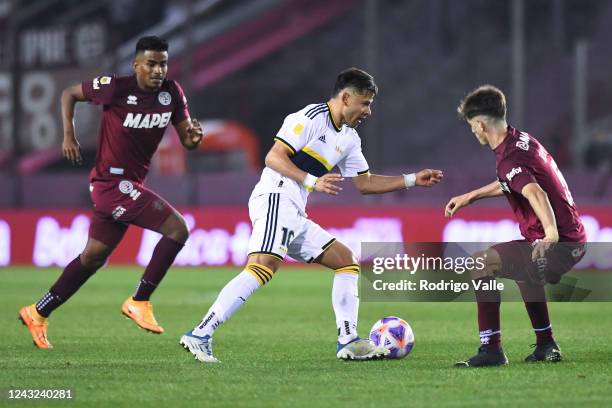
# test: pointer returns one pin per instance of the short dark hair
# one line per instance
(151, 43)
(355, 78)
(485, 100)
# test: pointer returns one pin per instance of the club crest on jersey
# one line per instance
(164, 98)
(148, 121)
(126, 187)
(132, 100)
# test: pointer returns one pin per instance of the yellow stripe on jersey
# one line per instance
(262, 273)
(317, 157)
(363, 173)
(287, 145)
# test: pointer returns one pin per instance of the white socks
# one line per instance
(231, 297)
(345, 300)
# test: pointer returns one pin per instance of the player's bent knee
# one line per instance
(269, 261)
(175, 227)
(95, 254)
(93, 260)
(182, 230)
(262, 273)
(337, 256)
(486, 265)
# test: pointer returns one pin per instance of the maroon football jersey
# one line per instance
(133, 123)
(521, 160)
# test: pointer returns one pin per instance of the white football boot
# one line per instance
(200, 347)
(360, 349)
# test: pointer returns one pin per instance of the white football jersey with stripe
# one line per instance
(317, 145)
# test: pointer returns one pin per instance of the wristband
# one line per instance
(309, 182)
(409, 180)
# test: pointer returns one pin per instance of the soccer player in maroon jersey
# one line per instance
(136, 111)
(544, 208)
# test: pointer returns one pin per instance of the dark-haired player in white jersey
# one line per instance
(310, 143)
(136, 111)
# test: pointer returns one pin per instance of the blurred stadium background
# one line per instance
(244, 65)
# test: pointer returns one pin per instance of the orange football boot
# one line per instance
(141, 312)
(36, 324)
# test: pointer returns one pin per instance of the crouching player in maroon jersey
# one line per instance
(548, 219)
(136, 111)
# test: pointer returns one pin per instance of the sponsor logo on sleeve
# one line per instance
(510, 175)
(523, 142)
(504, 187)
(298, 129)
(104, 80)
(164, 98)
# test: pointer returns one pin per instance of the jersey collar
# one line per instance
(331, 118)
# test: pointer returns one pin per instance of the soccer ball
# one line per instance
(394, 334)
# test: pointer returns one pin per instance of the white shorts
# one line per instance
(279, 229)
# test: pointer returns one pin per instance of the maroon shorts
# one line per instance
(558, 260)
(118, 203)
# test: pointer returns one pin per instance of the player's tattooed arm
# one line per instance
(538, 199)
(190, 133)
(490, 190)
(278, 159)
(70, 146)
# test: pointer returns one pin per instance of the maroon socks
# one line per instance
(73, 277)
(163, 256)
(538, 311)
(488, 302)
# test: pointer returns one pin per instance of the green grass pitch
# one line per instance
(279, 350)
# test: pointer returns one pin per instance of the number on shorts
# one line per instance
(287, 236)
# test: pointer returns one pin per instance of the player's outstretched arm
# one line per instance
(490, 190)
(538, 199)
(278, 159)
(377, 184)
(70, 146)
(190, 133)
